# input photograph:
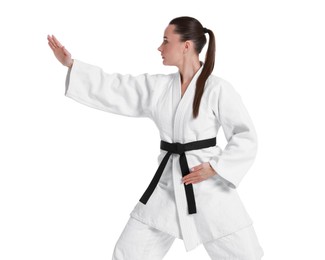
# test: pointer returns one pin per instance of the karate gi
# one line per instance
(220, 211)
(139, 241)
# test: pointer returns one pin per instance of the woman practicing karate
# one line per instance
(192, 196)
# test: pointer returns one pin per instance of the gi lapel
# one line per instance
(181, 104)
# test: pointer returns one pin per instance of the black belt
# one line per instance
(179, 149)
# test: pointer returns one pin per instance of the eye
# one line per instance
(165, 41)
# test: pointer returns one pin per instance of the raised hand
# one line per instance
(60, 52)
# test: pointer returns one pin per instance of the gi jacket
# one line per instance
(158, 97)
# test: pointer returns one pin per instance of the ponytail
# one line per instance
(206, 72)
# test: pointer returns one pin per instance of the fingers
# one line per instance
(197, 173)
(51, 46)
(191, 177)
(53, 42)
(197, 176)
(198, 167)
(57, 43)
(194, 180)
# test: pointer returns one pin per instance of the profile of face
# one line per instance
(172, 48)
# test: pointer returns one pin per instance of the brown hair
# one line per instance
(190, 28)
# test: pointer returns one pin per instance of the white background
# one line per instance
(70, 175)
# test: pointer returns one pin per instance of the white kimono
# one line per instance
(158, 97)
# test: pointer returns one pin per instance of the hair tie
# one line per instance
(205, 30)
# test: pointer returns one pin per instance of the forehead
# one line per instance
(170, 33)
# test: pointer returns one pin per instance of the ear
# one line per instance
(187, 46)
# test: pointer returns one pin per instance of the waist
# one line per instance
(180, 148)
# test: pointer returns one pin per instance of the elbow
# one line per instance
(254, 140)
(252, 145)
(249, 142)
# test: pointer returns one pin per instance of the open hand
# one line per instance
(60, 51)
(199, 173)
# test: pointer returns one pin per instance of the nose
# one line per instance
(159, 48)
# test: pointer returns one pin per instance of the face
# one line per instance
(172, 48)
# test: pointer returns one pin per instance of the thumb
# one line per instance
(65, 50)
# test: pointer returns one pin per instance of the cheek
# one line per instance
(176, 55)
(172, 52)
(166, 49)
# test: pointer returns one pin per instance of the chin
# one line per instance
(167, 64)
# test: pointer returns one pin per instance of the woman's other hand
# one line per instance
(60, 51)
(199, 173)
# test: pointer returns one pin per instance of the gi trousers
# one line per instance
(139, 241)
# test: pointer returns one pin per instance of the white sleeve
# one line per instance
(115, 93)
(239, 154)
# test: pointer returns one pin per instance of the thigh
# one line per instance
(139, 241)
(241, 245)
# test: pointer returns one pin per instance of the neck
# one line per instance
(188, 69)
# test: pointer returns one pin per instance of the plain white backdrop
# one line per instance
(70, 175)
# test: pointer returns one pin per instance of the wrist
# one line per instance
(70, 65)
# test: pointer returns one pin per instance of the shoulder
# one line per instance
(162, 77)
(220, 91)
(216, 84)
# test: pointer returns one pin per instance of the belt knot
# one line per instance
(180, 149)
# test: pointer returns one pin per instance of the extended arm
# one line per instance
(126, 95)
(90, 85)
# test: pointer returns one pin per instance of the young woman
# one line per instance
(192, 196)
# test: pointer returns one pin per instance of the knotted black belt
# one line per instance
(179, 149)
